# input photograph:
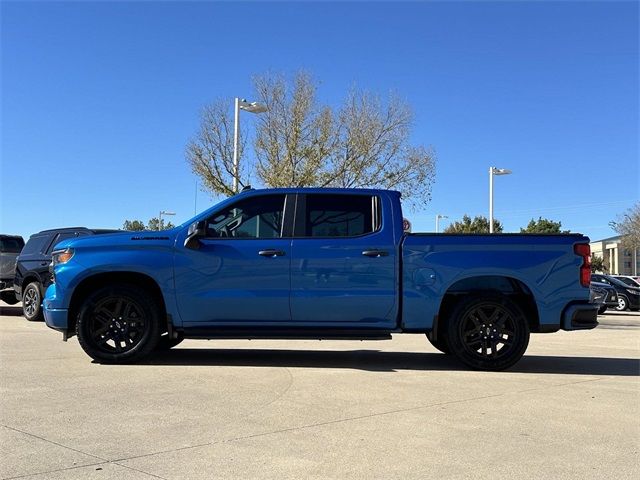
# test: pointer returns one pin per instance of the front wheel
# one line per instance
(623, 303)
(602, 309)
(118, 324)
(488, 332)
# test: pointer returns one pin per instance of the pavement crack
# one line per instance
(54, 443)
(103, 461)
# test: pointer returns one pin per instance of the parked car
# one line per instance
(32, 275)
(317, 263)
(629, 280)
(604, 295)
(628, 296)
(10, 248)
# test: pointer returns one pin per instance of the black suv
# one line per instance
(32, 266)
(628, 297)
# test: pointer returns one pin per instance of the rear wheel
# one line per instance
(623, 303)
(602, 309)
(118, 324)
(488, 332)
(32, 302)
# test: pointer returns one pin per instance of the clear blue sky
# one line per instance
(99, 100)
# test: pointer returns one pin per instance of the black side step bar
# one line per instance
(285, 333)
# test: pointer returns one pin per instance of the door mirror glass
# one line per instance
(196, 231)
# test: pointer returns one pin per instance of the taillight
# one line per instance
(584, 250)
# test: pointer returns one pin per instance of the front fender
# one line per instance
(155, 263)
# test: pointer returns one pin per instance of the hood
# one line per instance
(602, 285)
(125, 238)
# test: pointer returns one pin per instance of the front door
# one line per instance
(240, 274)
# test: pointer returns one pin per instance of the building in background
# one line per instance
(618, 260)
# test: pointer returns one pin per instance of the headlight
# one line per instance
(61, 256)
(633, 292)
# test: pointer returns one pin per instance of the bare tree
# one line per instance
(374, 151)
(294, 135)
(300, 142)
(628, 226)
(210, 152)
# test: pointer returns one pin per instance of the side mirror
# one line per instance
(196, 231)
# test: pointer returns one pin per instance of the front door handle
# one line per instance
(375, 253)
(271, 253)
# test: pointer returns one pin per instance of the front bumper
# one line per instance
(56, 318)
(582, 316)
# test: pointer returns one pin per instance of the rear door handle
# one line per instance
(271, 253)
(375, 253)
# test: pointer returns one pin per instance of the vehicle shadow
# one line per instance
(378, 361)
(11, 311)
(626, 313)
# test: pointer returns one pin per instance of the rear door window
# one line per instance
(340, 215)
(36, 244)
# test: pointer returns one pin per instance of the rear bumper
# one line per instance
(580, 317)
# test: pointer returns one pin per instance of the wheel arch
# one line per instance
(99, 280)
(32, 277)
(514, 288)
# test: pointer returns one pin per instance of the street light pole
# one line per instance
(494, 171)
(236, 139)
(438, 217)
(163, 212)
(253, 107)
(490, 199)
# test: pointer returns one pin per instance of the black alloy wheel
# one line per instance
(118, 324)
(488, 332)
(32, 302)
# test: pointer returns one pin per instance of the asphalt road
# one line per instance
(330, 409)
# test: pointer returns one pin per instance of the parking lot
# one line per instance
(330, 409)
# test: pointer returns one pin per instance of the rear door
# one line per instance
(343, 262)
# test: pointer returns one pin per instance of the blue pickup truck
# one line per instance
(318, 264)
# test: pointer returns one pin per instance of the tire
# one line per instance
(488, 332)
(32, 302)
(602, 309)
(118, 324)
(623, 303)
(441, 343)
(165, 343)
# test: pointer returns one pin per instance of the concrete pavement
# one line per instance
(330, 409)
